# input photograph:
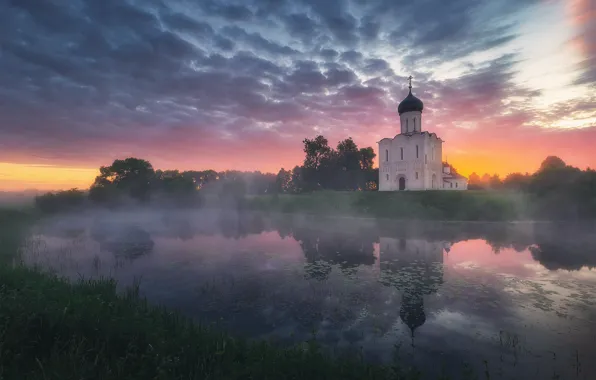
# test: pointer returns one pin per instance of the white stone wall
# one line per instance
(411, 121)
(414, 157)
(455, 184)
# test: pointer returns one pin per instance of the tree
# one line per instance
(202, 178)
(475, 182)
(297, 184)
(131, 176)
(316, 151)
(367, 158)
(283, 181)
(552, 162)
(60, 201)
(495, 182)
(516, 181)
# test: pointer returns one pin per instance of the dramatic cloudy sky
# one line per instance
(238, 84)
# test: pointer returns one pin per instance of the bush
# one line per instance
(60, 201)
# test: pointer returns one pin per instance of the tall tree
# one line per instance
(367, 158)
(283, 181)
(552, 162)
(131, 176)
(316, 151)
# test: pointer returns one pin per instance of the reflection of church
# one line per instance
(415, 267)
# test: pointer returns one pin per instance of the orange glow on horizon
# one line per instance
(19, 177)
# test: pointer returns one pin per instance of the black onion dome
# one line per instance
(410, 103)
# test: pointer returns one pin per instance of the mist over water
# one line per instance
(519, 295)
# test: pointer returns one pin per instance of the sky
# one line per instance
(238, 84)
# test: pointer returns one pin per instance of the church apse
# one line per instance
(415, 268)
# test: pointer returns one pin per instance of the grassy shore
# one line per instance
(421, 205)
(53, 329)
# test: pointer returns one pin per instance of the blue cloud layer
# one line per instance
(78, 75)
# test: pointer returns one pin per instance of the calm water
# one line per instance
(520, 296)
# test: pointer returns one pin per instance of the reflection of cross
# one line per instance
(410, 80)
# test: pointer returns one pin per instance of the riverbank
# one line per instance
(56, 330)
(411, 205)
(53, 329)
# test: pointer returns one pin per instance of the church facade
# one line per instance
(413, 159)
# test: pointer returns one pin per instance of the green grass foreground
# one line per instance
(420, 205)
(51, 329)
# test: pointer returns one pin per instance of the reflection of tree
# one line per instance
(324, 249)
(237, 225)
(564, 247)
(415, 267)
(127, 241)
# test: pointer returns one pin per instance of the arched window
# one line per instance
(386, 154)
(414, 124)
(387, 177)
(425, 159)
(451, 185)
(416, 175)
(407, 124)
(456, 184)
(401, 151)
(416, 151)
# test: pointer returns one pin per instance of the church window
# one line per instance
(417, 151)
(416, 175)
(401, 150)
(386, 154)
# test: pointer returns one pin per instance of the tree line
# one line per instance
(346, 167)
(134, 180)
(555, 189)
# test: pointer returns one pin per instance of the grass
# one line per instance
(54, 329)
(51, 329)
(421, 205)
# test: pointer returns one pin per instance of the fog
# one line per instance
(436, 288)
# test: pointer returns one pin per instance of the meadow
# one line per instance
(411, 205)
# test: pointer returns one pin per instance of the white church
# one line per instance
(413, 159)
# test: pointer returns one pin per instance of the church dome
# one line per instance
(410, 103)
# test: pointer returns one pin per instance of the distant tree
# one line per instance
(283, 181)
(131, 176)
(173, 185)
(552, 162)
(367, 157)
(202, 178)
(316, 151)
(495, 182)
(517, 181)
(297, 184)
(475, 182)
(60, 201)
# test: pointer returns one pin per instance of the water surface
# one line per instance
(520, 296)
